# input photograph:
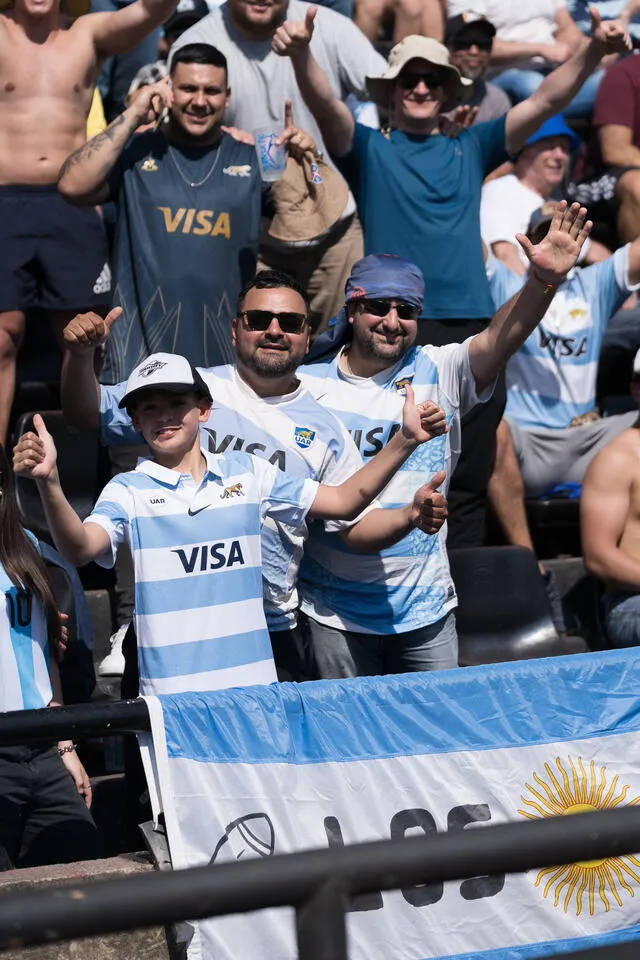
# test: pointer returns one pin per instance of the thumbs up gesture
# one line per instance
(293, 37)
(611, 35)
(429, 508)
(35, 454)
(89, 330)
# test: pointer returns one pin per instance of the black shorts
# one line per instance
(53, 255)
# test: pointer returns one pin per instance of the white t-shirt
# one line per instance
(525, 21)
(505, 209)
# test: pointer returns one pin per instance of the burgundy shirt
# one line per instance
(618, 99)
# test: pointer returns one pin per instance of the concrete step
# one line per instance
(139, 944)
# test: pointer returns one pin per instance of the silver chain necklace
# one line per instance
(196, 183)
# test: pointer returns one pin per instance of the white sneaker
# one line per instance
(113, 663)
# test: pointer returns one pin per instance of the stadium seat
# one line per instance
(503, 611)
(555, 526)
(78, 464)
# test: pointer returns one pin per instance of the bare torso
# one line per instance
(45, 96)
(628, 444)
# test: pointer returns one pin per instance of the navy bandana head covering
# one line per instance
(380, 275)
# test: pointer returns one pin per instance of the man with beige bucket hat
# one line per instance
(419, 197)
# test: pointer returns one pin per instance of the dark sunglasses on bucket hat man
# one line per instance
(456, 87)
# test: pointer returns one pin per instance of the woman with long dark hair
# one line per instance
(45, 792)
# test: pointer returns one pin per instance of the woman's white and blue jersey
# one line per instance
(294, 432)
(551, 379)
(25, 653)
(408, 585)
(198, 566)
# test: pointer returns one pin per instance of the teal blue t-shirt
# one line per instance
(419, 197)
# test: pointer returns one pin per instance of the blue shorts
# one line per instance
(54, 256)
(622, 618)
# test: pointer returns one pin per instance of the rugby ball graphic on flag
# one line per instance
(248, 836)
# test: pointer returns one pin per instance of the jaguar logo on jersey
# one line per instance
(200, 223)
(149, 166)
(304, 437)
(403, 383)
(240, 170)
(235, 490)
(151, 368)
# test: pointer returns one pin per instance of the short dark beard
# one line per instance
(369, 349)
(273, 366)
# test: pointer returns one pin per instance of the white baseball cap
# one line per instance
(164, 371)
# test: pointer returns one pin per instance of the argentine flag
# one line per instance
(258, 771)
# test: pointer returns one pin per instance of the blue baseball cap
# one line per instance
(380, 275)
(555, 127)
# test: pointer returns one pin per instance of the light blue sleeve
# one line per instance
(503, 282)
(606, 287)
(285, 498)
(115, 424)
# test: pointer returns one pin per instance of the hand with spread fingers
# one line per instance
(558, 252)
(89, 330)
(462, 119)
(430, 506)
(294, 36)
(423, 421)
(297, 142)
(35, 454)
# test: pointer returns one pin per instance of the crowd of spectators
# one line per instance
(303, 237)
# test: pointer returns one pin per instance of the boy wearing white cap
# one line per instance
(198, 582)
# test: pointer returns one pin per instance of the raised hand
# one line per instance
(35, 454)
(89, 330)
(297, 141)
(462, 119)
(294, 36)
(611, 35)
(422, 421)
(430, 506)
(152, 102)
(242, 136)
(554, 256)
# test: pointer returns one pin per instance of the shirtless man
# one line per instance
(53, 256)
(610, 524)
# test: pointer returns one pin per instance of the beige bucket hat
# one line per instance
(414, 47)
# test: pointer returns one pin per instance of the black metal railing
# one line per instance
(318, 883)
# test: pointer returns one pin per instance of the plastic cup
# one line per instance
(272, 157)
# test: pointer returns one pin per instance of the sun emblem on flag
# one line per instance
(573, 789)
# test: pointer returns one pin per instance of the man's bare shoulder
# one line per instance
(619, 461)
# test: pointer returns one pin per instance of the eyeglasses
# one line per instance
(261, 320)
(464, 43)
(381, 307)
(408, 81)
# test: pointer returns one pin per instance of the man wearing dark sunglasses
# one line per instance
(469, 39)
(261, 408)
(419, 196)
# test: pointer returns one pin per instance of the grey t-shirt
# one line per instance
(261, 81)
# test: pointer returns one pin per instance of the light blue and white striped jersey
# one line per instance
(197, 562)
(292, 431)
(25, 652)
(406, 586)
(552, 377)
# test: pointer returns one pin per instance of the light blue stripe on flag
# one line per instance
(209, 524)
(533, 951)
(479, 708)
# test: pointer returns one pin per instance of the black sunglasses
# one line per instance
(261, 320)
(464, 43)
(381, 307)
(410, 80)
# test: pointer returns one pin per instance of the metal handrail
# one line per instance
(318, 883)
(111, 718)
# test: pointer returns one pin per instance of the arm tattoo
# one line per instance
(91, 147)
